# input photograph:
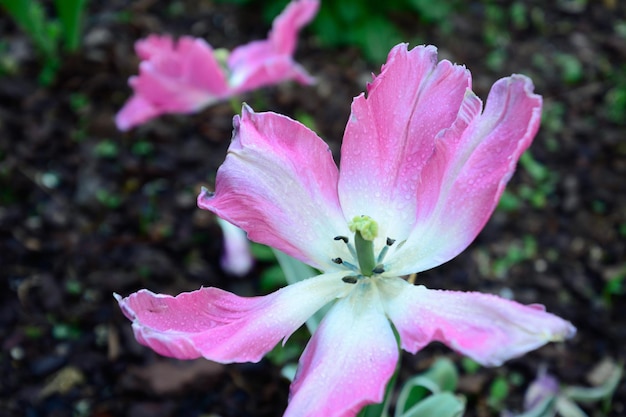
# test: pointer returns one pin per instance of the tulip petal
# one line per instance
(267, 70)
(153, 45)
(286, 26)
(173, 78)
(461, 184)
(224, 327)
(236, 256)
(270, 61)
(487, 328)
(390, 136)
(349, 360)
(279, 184)
(136, 110)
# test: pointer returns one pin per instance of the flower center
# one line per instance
(365, 231)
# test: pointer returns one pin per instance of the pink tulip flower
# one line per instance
(187, 76)
(422, 169)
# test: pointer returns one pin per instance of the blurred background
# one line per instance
(86, 210)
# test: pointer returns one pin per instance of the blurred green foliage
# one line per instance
(48, 33)
(371, 25)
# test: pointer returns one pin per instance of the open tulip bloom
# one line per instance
(187, 76)
(422, 169)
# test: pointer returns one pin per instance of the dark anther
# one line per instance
(379, 269)
(390, 241)
(337, 260)
(349, 280)
(345, 239)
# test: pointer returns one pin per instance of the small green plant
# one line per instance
(106, 149)
(615, 99)
(546, 398)
(615, 285)
(570, 67)
(431, 393)
(536, 194)
(108, 199)
(48, 34)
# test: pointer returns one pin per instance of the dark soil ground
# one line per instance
(86, 211)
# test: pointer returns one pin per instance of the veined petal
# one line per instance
(391, 134)
(463, 180)
(349, 360)
(222, 326)
(279, 184)
(487, 328)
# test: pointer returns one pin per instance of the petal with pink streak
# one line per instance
(391, 134)
(136, 110)
(461, 184)
(349, 360)
(224, 327)
(279, 184)
(487, 328)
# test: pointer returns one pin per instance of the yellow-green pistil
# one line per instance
(365, 231)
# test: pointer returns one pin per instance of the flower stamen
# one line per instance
(365, 231)
(384, 250)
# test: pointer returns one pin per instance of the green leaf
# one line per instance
(262, 253)
(70, 13)
(587, 395)
(545, 408)
(376, 36)
(536, 170)
(440, 377)
(567, 408)
(498, 391)
(444, 404)
(271, 279)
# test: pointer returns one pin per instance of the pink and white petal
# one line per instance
(222, 326)
(285, 28)
(349, 360)
(487, 328)
(236, 256)
(463, 181)
(135, 111)
(279, 184)
(391, 134)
